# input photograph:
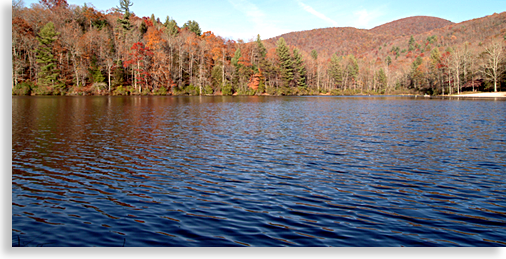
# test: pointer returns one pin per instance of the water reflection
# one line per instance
(258, 171)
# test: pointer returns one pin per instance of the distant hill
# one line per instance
(411, 26)
(348, 40)
(472, 32)
(341, 40)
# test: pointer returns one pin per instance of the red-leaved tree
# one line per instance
(138, 60)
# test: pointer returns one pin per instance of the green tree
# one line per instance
(286, 63)
(216, 78)
(193, 26)
(118, 73)
(411, 44)
(335, 69)
(300, 68)
(416, 63)
(235, 59)
(314, 54)
(263, 64)
(262, 51)
(143, 28)
(95, 71)
(382, 79)
(153, 19)
(435, 58)
(171, 25)
(416, 74)
(48, 74)
(388, 60)
(353, 68)
(235, 62)
(124, 7)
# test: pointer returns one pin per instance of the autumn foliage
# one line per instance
(117, 52)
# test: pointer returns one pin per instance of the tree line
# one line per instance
(62, 49)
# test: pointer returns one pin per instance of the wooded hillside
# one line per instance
(65, 49)
(405, 51)
(342, 41)
(411, 26)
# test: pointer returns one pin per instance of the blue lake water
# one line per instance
(258, 171)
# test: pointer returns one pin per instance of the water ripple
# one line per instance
(253, 171)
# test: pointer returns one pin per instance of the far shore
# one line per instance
(481, 95)
(398, 93)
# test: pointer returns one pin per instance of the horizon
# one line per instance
(242, 19)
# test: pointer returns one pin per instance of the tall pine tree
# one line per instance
(382, 79)
(124, 7)
(235, 62)
(353, 69)
(286, 64)
(300, 68)
(335, 70)
(262, 51)
(48, 75)
(194, 27)
(171, 25)
(262, 64)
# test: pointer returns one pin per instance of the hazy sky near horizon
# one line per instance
(244, 19)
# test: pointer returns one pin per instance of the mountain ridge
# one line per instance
(429, 23)
(351, 40)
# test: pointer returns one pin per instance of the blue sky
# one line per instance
(245, 19)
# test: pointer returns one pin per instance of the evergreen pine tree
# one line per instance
(411, 44)
(171, 25)
(300, 68)
(124, 7)
(153, 20)
(119, 73)
(48, 73)
(235, 63)
(388, 60)
(262, 51)
(235, 59)
(285, 59)
(353, 68)
(143, 28)
(335, 69)
(314, 54)
(193, 26)
(382, 79)
(262, 64)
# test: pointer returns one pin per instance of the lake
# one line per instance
(258, 171)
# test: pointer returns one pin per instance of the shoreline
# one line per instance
(479, 95)
(474, 95)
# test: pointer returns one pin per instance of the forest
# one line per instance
(62, 49)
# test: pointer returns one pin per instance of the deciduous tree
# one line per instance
(492, 58)
(138, 56)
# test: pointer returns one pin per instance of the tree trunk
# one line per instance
(14, 68)
(223, 69)
(318, 78)
(136, 76)
(109, 77)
